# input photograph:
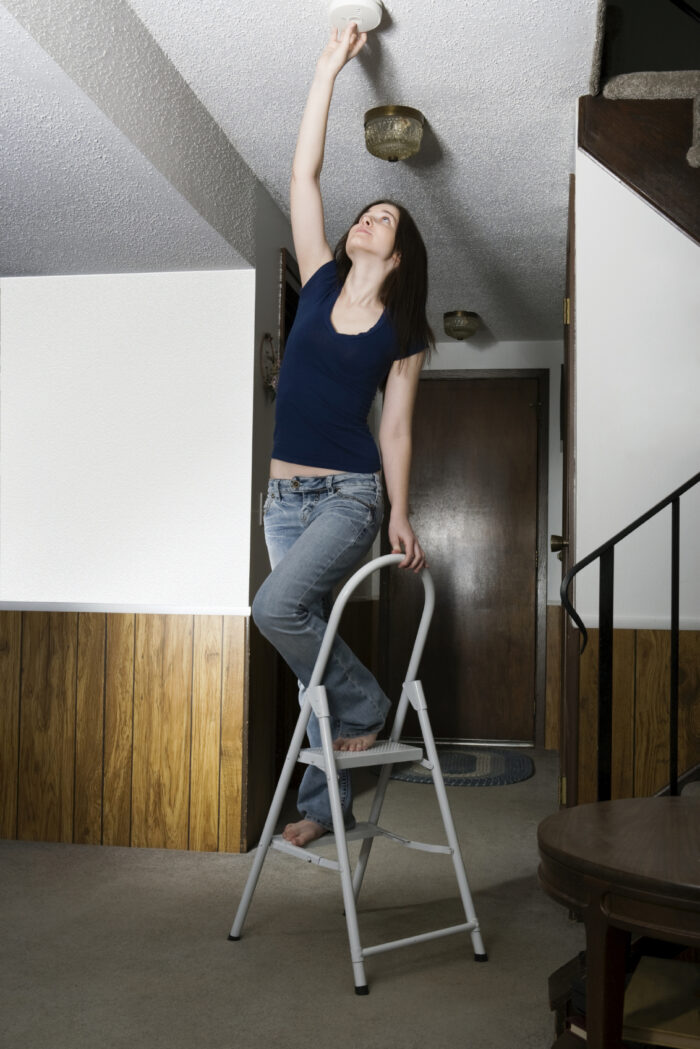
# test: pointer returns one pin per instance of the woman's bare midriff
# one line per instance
(281, 471)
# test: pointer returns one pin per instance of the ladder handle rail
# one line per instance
(340, 602)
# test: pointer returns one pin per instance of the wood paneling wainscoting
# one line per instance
(640, 747)
(640, 707)
(123, 729)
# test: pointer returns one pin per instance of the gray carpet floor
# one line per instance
(110, 947)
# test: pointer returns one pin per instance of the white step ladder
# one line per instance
(384, 753)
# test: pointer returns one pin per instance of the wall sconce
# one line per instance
(460, 324)
(393, 132)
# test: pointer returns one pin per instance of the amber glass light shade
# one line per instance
(393, 132)
(460, 324)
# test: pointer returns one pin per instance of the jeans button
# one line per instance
(295, 483)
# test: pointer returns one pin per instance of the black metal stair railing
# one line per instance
(684, 6)
(606, 555)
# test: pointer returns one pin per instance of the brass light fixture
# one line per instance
(393, 132)
(460, 324)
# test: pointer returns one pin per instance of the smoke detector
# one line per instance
(367, 14)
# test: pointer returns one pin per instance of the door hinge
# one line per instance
(562, 790)
(567, 310)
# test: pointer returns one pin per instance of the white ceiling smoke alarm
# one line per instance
(367, 14)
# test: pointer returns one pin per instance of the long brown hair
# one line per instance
(404, 292)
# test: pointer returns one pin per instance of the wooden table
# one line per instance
(630, 866)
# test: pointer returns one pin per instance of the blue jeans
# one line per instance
(317, 529)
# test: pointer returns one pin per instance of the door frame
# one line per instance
(542, 377)
(570, 635)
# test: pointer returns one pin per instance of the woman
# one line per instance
(360, 324)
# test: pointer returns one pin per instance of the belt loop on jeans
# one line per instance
(329, 483)
(274, 487)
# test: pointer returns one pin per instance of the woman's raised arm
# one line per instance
(308, 228)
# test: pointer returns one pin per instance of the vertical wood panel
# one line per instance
(47, 726)
(89, 729)
(689, 701)
(624, 649)
(267, 686)
(232, 728)
(622, 785)
(10, 662)
(588, 721)
(162, 731)
(552, 719)
(119, 720)
(206, 733)
(652, 720)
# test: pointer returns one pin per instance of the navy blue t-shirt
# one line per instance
(328, 382)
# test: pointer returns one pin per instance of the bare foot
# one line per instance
(355, 742)
(303, 832)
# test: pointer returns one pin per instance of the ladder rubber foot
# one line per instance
(481, 957)
(364, 989)
(236, 938)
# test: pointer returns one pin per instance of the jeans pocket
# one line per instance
(368, 496)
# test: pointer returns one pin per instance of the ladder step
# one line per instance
(382, 753)
(305, 854)
(360, 832)
(371, 830)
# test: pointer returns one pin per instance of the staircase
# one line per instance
(642, 118)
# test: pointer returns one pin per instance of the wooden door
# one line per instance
(474, 503)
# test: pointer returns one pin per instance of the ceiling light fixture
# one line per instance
(460, 324)
(366, 13)
(393, 132)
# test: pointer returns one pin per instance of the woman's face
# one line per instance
(375, 231)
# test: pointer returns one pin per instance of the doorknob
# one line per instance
(557, 544)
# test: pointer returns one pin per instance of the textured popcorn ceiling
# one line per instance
(91, 172)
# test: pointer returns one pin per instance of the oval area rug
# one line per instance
(471, 767)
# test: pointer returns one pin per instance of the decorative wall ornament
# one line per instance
(270, 363)
(271, 351)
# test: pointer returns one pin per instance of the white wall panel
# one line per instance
(638, 394)
(126, 421)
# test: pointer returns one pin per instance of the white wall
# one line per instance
(523, 355)
(638, 395)
(125, 441)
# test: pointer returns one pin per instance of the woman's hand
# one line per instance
(340, 49)
(403, 540)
